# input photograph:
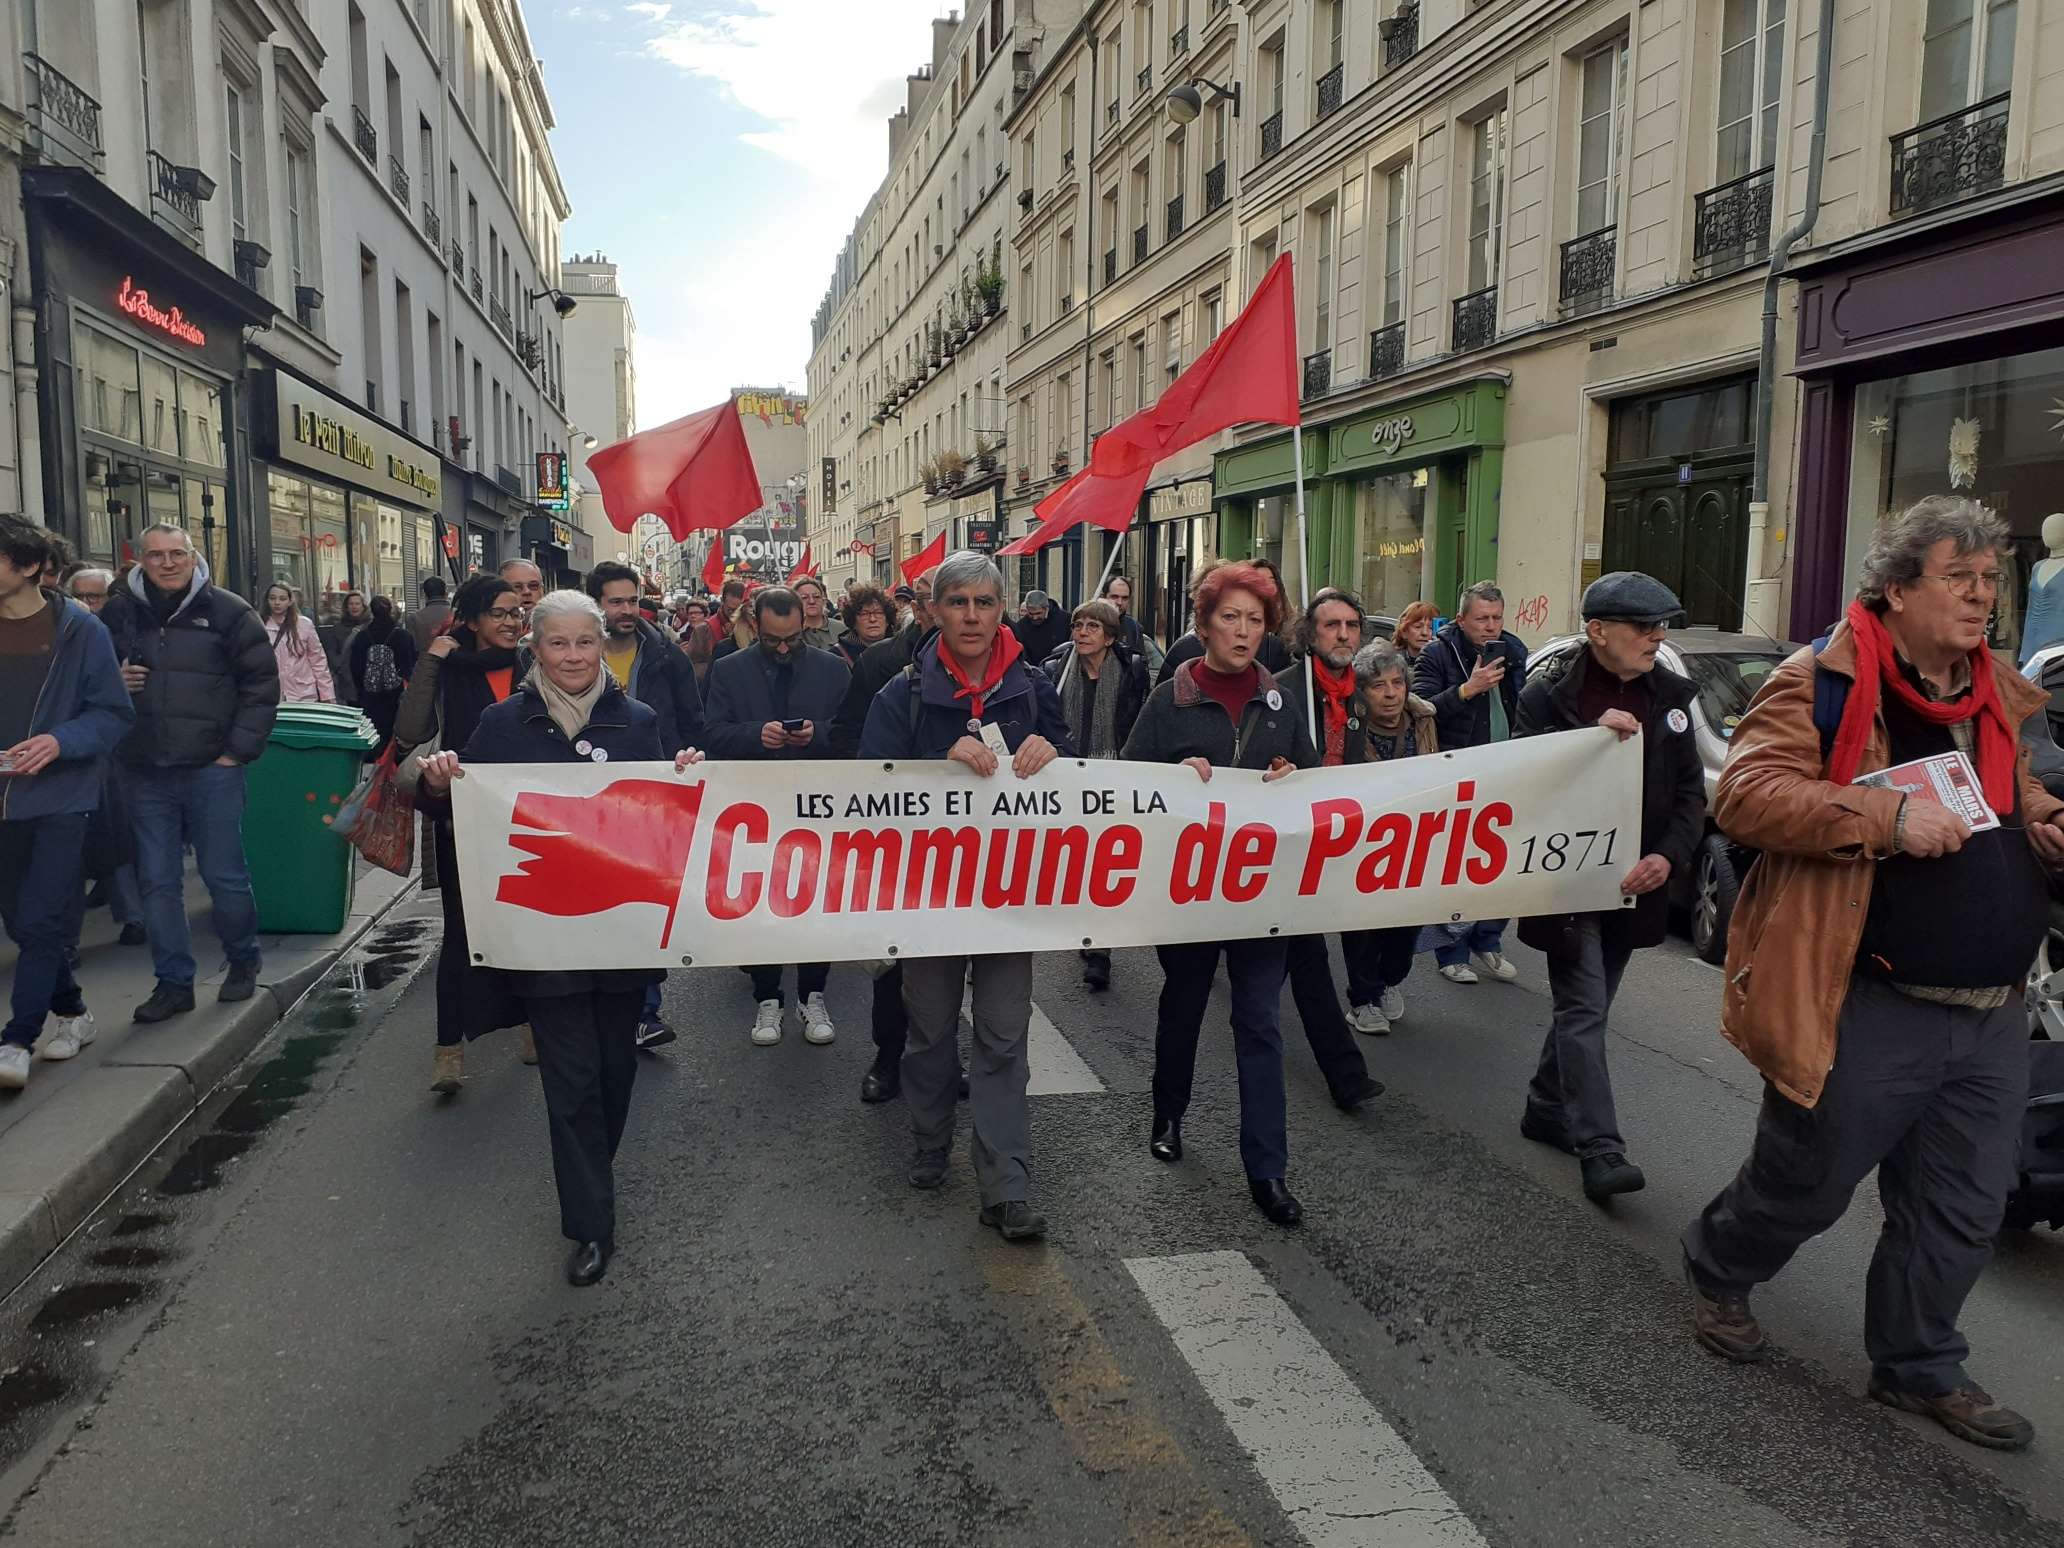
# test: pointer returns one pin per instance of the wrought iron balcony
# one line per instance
(1318, 374)
(1110, 265)
(408, 416)
(1068, 159)
(1214, 188)
(1271, 134)
(1331, 87)
(1179, 42)
(64, 123)
(498, 314)
(433, 228)
(1175, 213)
(458, 256)
(1025, 201)
(1067, 304)
(307, 306)
(1111, 111)
(1476, 318)
(176, 194)
(1949, 158)
(1731, 223)
(1144, 81)
(1400, 34)
(1139, 244)
(478, 292)
(1387, 351)
(397, 178)
(1587, 269)
(508, 480)
(365, 135)
(251, 260)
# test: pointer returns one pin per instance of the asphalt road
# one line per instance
(333, 1313)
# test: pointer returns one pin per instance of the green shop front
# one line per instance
(1401, 501)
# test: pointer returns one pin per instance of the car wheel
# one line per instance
(1713, 890)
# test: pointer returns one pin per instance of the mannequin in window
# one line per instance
(2044, 624)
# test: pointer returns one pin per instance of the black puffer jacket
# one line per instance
(1182, 721)
(1444, 666)
(213, 688)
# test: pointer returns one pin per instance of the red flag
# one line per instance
(628, 843)
(804, 566)
(713, 567)
(1109, 502)
(919, 563)
(695, 474)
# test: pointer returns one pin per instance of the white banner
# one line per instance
(629, 865)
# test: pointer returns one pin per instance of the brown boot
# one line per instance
(449, 1072)
(1968, 1412)
(526, 1044)
(1724, 1323)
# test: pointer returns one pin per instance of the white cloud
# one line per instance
(650, 10)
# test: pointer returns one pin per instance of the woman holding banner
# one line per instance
(585, 1020)
(1222, 710)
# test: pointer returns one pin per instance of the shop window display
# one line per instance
(1390, 513)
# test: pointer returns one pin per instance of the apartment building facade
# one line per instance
(601, 343)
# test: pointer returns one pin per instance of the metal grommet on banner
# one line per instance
(892, 951)
(687, 962)
(1274, 930)
(479, 957)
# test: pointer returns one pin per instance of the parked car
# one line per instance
(1727, 669)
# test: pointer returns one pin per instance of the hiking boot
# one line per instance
(1969, 1413)
(448, 1072)
(165, 1002)
(1610, 1174)
(1014, 1220)
(1723, 1322)
(240, 983)
(928, 1168)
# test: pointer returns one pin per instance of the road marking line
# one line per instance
(1057, 1070)
(1344, 1477)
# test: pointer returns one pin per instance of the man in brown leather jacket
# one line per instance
(1875, 962)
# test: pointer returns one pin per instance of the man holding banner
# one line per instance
(968, 698)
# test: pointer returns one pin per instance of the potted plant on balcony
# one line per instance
(989, 282)
(1060, 463)
(985, 454)
(952, 470)
(1024, 476)
(929, 471)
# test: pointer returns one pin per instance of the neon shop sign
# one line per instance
(138, 304)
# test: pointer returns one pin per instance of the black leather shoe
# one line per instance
(1276, 1201)
(1543, 1131)
(1354, 1096)
(588, 1263)
(165, 1002)
(1096, 969)
(240, 984)
(883, 1081)
(1610, 1174)
(1015, 1220)
(928, 1169)
(1166, 1145)
(134, 934)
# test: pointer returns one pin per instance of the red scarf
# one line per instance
(1877, 663)
(1336, 691)
(976, 691)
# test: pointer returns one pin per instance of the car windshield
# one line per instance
(1726, 681)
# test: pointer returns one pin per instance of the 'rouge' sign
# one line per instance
(138, 304)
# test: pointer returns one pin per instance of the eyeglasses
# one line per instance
(505, 614)
(1970, 583)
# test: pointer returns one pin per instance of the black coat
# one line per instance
(663, 680)
(871, 674)
(1181, 721)
(213, 689)
(1673, 793)
(741, 703)
(1272, 653)
(1444, 666)
(1124, 668)
(1042, 639)
(1022, 704)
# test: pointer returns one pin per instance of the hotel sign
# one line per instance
(318, 432)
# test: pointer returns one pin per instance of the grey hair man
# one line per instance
(529, 584)
(90, 587)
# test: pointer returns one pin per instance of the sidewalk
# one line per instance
(83, 1125)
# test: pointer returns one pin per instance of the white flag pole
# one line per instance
(1104, 580)
(1311, 687)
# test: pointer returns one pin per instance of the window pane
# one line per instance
(107, 385)
(1999, 49)
(200, 407)
(160, 406)
(1946, 58)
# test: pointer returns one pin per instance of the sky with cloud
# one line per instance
(719, 151)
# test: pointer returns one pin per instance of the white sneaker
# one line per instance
(1460, 973)
(1392, 1004)
(67, 1035)
(1369, 1019)
(817, 1027)
(1494, 963)
(766, 1027)
(14, 1066)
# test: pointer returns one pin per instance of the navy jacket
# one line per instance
(741, 702)
(84, 705)
(1444, 666)
(663, 679)
(213, 689)
(1023, 704)
(871, 673)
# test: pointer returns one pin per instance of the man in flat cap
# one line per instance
(1614, 682)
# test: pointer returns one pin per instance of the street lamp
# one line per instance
(1185, 103)
(562, 303)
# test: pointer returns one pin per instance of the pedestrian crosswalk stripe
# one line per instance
(1343, 1477)
(1057, 1070)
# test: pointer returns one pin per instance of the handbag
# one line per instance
(378, 818)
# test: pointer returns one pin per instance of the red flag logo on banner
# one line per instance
(695, 474)
(628, 843)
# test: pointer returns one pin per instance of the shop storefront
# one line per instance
(139, 348)
(1931, 364)
(548, 544)
(1166, 553)
(347, 501)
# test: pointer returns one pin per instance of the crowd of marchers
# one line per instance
(1875, 963)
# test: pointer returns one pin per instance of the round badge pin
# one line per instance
(1678, 720)
(600, 755)
(1275, 700)
(583, 748)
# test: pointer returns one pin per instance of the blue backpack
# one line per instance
(1830, 698)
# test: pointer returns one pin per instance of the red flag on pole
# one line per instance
(1109, 502)
(804, 566)
(713, 566)
(924, 560)
(695, 474)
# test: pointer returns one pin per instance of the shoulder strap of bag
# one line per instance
(1830, 698)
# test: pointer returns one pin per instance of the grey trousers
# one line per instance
(1572, 1088)
(997, 1068)
(1932, 1097)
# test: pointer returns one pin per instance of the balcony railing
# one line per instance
(508, 480)
(365, 135)
(458, 256)
(1387, 351)
(1144, 81)
(251, 260)
(433, 228)
(1587, 269)
(176, 195)
(1214, 188)
(408, 416)
(64, 123)
(1175, 210)
(1067, 304)
(1950, 158)
(307, 306)
(1179, 42)
(1476, 318)
(1271, 134)
(1139, 244)
(1731, 223)
(498, 314)
(478, 292)
(1318, 374)
(1400, 34)
(1331, 86)
(398, 179)
(1068, 160)
(1110, 265)
(1025, 201)
(1111, 111)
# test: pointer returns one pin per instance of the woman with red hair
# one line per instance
(1223, 710)
(1415, 629)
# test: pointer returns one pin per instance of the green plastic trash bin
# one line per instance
(300, 870)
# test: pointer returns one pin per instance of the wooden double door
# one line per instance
(1692, 534)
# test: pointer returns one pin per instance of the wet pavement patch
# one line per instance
(138, 1222)
(89, 1298)
(126, 1256)
(29, 1386)
(378, 975)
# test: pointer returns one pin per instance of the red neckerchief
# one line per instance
(1337, 688)
(1877, 663)
(1001, 655)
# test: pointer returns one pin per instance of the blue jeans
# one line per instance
(204, 807)
(1486, 935)
(125, 898)
(39, 884)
